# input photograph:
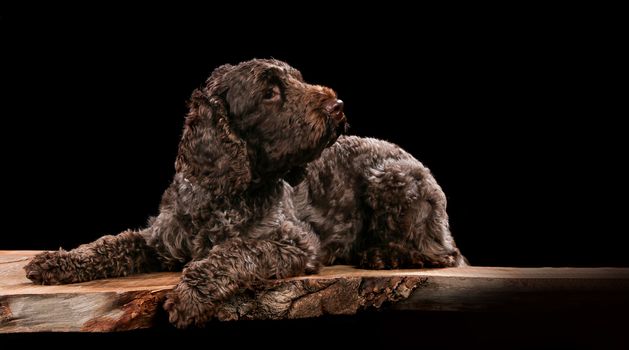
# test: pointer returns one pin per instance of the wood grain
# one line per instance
(135, 302)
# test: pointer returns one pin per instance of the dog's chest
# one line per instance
(217, 225)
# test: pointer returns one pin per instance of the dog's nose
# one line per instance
(335, 109)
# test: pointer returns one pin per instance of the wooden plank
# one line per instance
(135, 302)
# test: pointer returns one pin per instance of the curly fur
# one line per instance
(374, 205)
(231, 221)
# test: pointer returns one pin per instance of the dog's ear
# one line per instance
(210, 153)
(215, 85)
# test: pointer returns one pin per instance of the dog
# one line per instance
(267, 188)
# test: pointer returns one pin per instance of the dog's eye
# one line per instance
(272, 94)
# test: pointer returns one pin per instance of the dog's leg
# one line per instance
(409, 223)
(231, 266)
(109, 256)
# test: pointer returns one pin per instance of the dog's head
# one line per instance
(254, 123)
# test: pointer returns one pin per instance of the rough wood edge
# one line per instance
(135, 302)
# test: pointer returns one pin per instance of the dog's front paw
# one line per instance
(51, 268)
(186, 306)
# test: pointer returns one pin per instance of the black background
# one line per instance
(516, 113)
(515, 117)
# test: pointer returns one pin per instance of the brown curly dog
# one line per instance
(231, 221)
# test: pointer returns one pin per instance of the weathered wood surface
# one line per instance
(135, 302)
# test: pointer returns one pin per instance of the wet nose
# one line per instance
(335, 109)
